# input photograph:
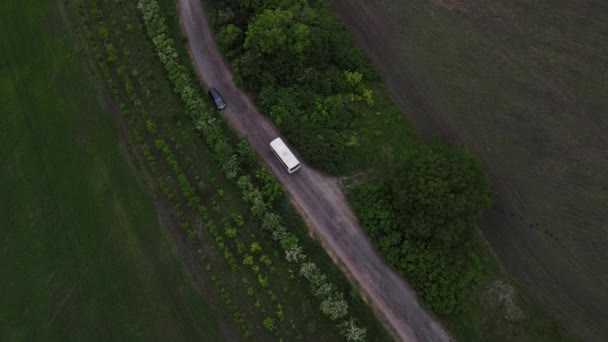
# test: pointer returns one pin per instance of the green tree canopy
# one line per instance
(230, 37)
(275, 42)
(438, 192)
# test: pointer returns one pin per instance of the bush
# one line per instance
(421, 222)
(438, 192)
(334, 307)
(352, 331)
(271, 189)
(269, 324)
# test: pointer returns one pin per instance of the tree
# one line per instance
(271, 190)
(271, 222)
(421, 218)
(294, 254)
(438, 192)
(246, 155)
(255, 247)
(269, 324)
(275, 31)
(248, 260)
(276, 43)
(334, 306)
(230, 232)
(229, 38)
(352, 331)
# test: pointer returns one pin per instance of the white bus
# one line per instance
(289, 161)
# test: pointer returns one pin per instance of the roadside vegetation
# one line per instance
(273, 280)
(83, 256)
(422, 221)
(419, 203)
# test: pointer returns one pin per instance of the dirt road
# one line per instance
(317, 197)
(571, 287)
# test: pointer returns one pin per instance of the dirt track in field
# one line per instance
(535, 191)
(317, 197)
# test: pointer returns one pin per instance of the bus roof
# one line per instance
(284, 153)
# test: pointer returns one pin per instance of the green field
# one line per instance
(83, 255)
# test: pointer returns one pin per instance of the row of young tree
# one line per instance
(422, 220)
(303, 68)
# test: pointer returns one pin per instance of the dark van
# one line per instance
(217, 99)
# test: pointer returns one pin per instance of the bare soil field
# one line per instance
(523, 86)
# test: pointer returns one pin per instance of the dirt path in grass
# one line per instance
(516, 226)
(317, 197)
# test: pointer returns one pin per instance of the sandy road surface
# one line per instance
(572, 295)
(317, 197)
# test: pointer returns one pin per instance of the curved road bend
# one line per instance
(317, 197)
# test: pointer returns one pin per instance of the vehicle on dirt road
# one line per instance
(283, 153)
(217, 98)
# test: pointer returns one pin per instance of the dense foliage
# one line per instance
(438, 191)
(421, 221)
(304, 69)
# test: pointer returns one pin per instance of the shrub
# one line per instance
(438, 192)
(271, 189)
(269, 324)
(352, 331)
(334, 307)
(421, 222)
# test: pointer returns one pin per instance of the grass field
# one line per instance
(523, 86)
(83, 255)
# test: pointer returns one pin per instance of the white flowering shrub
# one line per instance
(334, 307)
(279, 234)
(324, 290)
(307, 269)
(295, 254)
(352, 331)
